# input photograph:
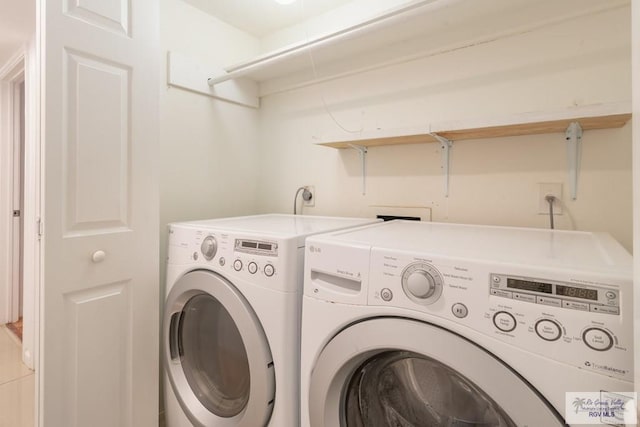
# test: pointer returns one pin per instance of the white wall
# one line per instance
(580, 62)
(349, 14)
(208, 147)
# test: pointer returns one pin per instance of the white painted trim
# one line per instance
(12, 67)
(635, 83)
(10, 73)
(17, 116)
(31, 214)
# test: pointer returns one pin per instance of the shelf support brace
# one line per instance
(573, 135)
(363, 159)
(445, 145)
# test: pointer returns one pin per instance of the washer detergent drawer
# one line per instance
(338, 274)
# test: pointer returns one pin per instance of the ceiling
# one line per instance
(262, 17)
(17, 24)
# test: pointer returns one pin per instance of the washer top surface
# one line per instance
(541, 247)
(279, 225)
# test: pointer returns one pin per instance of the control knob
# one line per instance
(209, 247)
(422, 283)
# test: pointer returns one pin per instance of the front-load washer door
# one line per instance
(216, 353)
(389, 372)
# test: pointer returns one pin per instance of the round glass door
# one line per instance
(216, 353)
(213, 357)
(400, 388)
(396, 372)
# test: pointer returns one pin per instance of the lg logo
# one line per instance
(587, 363)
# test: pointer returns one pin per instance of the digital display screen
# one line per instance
(569, 291)
(251, 245)
(527, 285)
(264, 246)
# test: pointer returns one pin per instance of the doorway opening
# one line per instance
(17, 292)
(19, 211)
(20, 199)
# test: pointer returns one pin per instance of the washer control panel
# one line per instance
(568, 316)
(555, 293)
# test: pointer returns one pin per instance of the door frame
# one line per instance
(12, 74)
(22, 67)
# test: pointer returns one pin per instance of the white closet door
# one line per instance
(99, 301)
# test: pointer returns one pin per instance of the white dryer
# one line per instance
(427, 324)
(232, 319)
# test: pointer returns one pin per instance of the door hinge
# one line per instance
(40, 228)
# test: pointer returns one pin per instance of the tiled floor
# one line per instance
(16, 384)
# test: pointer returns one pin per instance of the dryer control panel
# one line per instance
(261, 261)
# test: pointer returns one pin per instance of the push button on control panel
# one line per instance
(597, 339)
(504, 321)
(459, 310)
(604, 309)
(386, 294)
(524, 297)
(253, 267)
(574, 305)
(503, 294)
(548, 330)
(553, 302)
(269, 270)
(237, 265)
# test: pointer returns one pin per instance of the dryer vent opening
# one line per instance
(392, 217)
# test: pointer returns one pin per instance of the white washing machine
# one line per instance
(232, 319)
(426, 324)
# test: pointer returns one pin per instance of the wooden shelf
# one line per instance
(600, 117)
(553, 126)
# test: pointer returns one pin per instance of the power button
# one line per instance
(386, 294)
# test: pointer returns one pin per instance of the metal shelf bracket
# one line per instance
(445, 146)
(573, 136)
(363, 159)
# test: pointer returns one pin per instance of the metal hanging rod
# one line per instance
(306, 46)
